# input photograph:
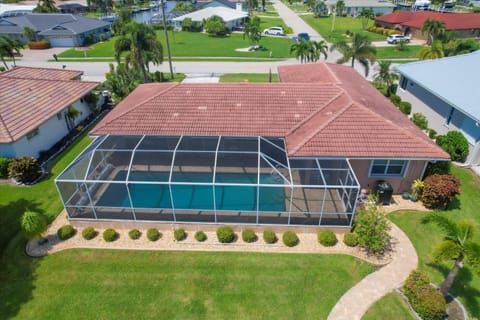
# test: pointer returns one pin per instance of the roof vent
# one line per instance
(188, 92)
(296, 115)
(202, 108)
(299, 102)
(238, 104)
(175, 114)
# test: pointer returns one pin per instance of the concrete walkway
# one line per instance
(356, 301)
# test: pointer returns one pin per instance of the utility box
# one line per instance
(385, 192)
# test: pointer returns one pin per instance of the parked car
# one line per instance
(396, 38)
(302, 35)
(278, 31)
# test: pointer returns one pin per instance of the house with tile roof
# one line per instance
(446, 92)
(61, 30)
(33, 106)
(296, 152)
(466, 25)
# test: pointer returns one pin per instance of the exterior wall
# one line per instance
(437, 111)
(414, 171)
(354, 11)
(49, 133)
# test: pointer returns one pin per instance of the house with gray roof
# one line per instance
(354, 7)
(446, 91)
(61, 30)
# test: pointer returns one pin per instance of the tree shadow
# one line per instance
(462, 287)
(17, 270)
(454, 205)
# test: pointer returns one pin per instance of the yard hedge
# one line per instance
(269, 236)
(89, 233)
(350, 239)
(110, 235)
(327, 238)
(65, 232)
(134, 234)
(225, 234)
(180, 234)
(455, 143)
(200, 236)
(290, 238)
(248, 235)
(153, 234)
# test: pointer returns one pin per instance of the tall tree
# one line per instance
(8, 48)
(29, 33)
(366, 15)
(458, 246)
(142, 46)
(46, 6)
(435, 51)
(302, 50)
(385, 76)
(340, 7)
(318, 48)
(359, 49)
(252, 30)
(252, 4)
(434, 29)
(320, 8)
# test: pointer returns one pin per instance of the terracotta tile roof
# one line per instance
(27, 103)
(416, 19)
(41, 73)
(329, 111)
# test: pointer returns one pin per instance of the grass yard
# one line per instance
(250, 77)
(109, 284)
(342, 24)
(192, 44)
(426, 236)
(391, 52)
(391, 306)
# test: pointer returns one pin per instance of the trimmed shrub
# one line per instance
(200, 236)
(4, 167)
(134, 234)
(153, 234)
(395, 99)
(65, 232)
(225, 234)
(420, 120)
(25, 169)
(110, 235)
(439, 167)
(179, 234)
(405, 107)
(427, 301)
(248, 235)
(440, 190)
(89, 233)
(432, 134)
(327, 238)
(290, 238)
(269, 236)
(455, 143)
(350, 239)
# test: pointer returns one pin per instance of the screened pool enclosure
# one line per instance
(207, 179)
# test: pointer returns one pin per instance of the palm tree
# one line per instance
(302, 50)
(29, 33)
(340, 7)
(457, 246)
(70, 116)
(360, 49)
(435, 51)
(433, 28)
(9, 48)
(318, 48)
(142, 46)
(385, 76)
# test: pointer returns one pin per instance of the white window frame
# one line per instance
(406, 165)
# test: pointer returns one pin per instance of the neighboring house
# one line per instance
(33, 104)
(291, 153)
(466, 25)
(73, 8)
(12, 10)
(446, 92)
(61, 30)
(233, 18)
(354, 7)
(217, 3)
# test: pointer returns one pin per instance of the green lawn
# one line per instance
(109, 284)
(425, 236)
(342, 24)
(391, 306)
(251, 77)
(193, 44)
(391, 52)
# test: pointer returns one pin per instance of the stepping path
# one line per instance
(356, 301)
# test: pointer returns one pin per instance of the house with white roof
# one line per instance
(354, 7)
(446, 92)
(233, 18)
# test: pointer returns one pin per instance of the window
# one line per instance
(33, 133)
(388, 168)
(403, 83)
(449, 117)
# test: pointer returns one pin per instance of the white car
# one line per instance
(396, 38)
(278, 31)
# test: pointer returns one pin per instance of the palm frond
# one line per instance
(446, 250)
(472, 255)
(447, 225)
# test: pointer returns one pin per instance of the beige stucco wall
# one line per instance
(400, 184)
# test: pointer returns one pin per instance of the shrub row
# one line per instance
(384, 31)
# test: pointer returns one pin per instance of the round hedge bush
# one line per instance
(249, 236)
(327, 238)
(225, 234)
(134, 234)
(200, 236)
(269, 236)
(350, 239)
(65, 232)
(153, 234)
(290, 238)
(89, 233)
(110, 235)
(179, 234)
(455, 143)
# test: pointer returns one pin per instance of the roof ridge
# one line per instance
(121, 114)
(328, 65)
(50, 80)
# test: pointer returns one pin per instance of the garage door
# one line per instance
(61, 42)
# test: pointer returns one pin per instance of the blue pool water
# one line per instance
(195, 197)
